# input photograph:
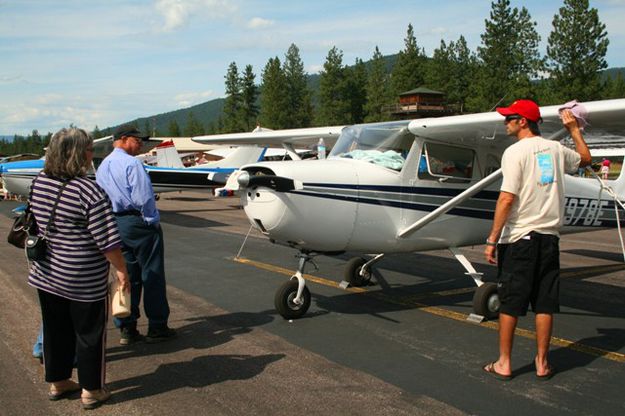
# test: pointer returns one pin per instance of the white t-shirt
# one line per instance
(533, 170)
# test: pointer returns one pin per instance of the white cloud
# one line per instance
(178, 12)
(259, 23)
(191, 98)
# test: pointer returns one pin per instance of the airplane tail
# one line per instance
(240, 156)
(167, 156)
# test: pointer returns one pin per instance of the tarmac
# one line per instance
(401, 346)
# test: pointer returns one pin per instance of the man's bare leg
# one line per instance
(507, 325)
(544, 325)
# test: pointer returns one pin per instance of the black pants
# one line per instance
(74, 328)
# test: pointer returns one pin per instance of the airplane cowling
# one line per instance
(310, 217)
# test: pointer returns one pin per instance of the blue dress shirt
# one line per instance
(128, 185)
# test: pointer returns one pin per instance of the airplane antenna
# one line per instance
(498, 102)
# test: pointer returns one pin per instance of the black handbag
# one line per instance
(23, 226)
(36, 247)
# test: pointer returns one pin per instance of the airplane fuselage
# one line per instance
(349, 205)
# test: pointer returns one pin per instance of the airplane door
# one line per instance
(410, 181)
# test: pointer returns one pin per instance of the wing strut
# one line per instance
(291, 151)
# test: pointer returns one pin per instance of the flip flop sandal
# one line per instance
(551, 371)
(62, 394)
(490, 370)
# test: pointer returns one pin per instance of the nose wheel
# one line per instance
(287, 303)
(292, 299)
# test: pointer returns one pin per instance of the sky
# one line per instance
(104, 62)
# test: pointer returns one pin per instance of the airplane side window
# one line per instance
(446, 163)
(492, 164)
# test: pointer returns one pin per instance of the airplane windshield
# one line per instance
(385, 145)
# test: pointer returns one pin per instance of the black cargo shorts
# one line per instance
(529, 273)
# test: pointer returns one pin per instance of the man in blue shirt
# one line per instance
(124, 179)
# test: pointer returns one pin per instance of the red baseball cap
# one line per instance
(525, 108)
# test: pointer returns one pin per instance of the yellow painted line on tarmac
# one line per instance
(410, 301)
(595, 270)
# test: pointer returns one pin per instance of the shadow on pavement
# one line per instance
(200, 333)
(197, 373)
(569, 358)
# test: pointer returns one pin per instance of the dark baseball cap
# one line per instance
(130, 131)
(525, 108)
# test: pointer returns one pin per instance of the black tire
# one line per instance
(486, 301)
(352, 272)
(283, 300)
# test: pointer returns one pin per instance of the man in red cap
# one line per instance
(525, 232)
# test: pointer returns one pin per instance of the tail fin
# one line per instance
(240, 156)
(167, 156)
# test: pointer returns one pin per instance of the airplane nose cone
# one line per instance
(243, 179)
(264, 207)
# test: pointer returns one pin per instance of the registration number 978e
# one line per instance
(584, 212)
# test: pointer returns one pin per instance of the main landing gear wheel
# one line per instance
(486, 301)
(352, 272)
(284, 300)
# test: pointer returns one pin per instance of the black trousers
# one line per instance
(74, 328)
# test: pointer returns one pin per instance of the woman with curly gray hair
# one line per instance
(82, 239)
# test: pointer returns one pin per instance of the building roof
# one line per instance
(421, 90)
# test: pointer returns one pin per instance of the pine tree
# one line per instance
(147, 128)
(439, 71)
(334, 105)
(233, 102)
(451, 70)
(408, 72)
(173, 130)
(193, 127)
(356, 91)
(273, 100)
(576, 51)
(299, 107)
(249, 93)
(615, 87)
(509, 58)
(377, 88)
(96, 133)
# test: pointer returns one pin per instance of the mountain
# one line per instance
(611, 72)
(208, 112)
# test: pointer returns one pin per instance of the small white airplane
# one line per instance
(403, 186)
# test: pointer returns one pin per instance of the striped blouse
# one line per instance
(83, 229)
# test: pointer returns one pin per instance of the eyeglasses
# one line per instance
(508, 119)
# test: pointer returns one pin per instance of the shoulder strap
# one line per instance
(53, 213)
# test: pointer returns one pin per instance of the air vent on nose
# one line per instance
(260, 225)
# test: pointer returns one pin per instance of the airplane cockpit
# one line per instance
(383, 144)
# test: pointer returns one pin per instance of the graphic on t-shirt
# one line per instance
(545, 163)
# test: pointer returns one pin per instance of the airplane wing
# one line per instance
(276, 138)
(606, 117)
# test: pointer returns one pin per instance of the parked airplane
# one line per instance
(403, 186)
(168, 175)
